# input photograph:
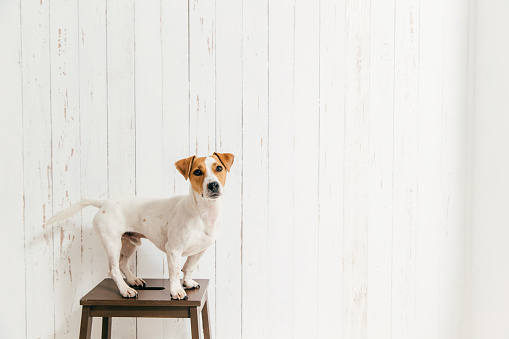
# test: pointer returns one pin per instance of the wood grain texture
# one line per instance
(406, 171)
(37, 174)
(331, 184)
(66, 165)
(255, 175)
(380, 169)
(356, 160)
(281, 167)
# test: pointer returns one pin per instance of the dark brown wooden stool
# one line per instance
(105, 301)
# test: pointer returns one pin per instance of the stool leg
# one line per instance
(106, 332)
(86, 323)
(195, 322)
(205, 318)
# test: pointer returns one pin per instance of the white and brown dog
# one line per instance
(180, 226)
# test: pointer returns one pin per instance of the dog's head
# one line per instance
(206, 174)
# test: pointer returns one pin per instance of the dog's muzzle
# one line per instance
(214, 189)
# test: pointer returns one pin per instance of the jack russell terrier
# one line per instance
(179, 226)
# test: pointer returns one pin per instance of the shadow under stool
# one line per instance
(153, 301)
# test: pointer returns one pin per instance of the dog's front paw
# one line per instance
(178, 293)
(136, 282)
(129, 293)
(191, 284)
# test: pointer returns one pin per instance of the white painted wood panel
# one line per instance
(66, 166)
(37, 174)
(228, 41)
(431, 50)
(345, 206)
(11, 139)
(454, 137)
(306, 164)
(406, 170)
(380, 169)
(281, 47)
(255, 171)
(331, 184)
(356, 160)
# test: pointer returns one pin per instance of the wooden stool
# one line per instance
(105, 301)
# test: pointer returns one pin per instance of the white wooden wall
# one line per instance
(345, 208)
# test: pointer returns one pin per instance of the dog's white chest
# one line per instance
(197, 240)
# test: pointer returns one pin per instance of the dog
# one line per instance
(181, 226)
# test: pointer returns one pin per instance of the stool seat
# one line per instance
(153, 301)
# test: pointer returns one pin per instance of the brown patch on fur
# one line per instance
(197, 180)
(184, 166)
(144, 219)
(104, 211)
(226, 159)
(221, 176)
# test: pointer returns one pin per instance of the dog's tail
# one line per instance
(73, 209)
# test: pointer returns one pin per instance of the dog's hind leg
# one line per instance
(113, 246)
(128, 249)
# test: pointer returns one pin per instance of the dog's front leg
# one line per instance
(189, 267)
(174, 255)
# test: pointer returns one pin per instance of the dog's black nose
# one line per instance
(213, 187)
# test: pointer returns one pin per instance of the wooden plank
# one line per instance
(175, 78)
(306, 177)
(121, 118)
(149, 140)
(332, 96)
(12, 311)
(37, 169)
(453, 170)
(202, 135)
(94, 138)
(357, 157)
(229, 139)
(405, 183)
(86, 323)
(380, 169)
(66, 165)
(175, 121)
(255, 285)
(427, 255)
(153, 312)
(281, 166)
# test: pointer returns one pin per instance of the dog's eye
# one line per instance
(197, 172)
(219, 168)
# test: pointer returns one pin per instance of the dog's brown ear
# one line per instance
(184, 166)
(226, 159)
